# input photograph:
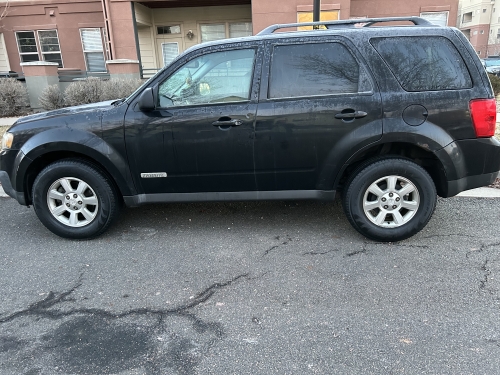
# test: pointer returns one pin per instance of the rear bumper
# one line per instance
(470, 164)
(470, 182)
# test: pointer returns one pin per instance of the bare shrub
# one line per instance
(119, 88)
(495, 83)
(86, 91)
(51, 98)
(93, 90)
(13, 97)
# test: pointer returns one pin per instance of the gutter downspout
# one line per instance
(137, 48)
(109, 29)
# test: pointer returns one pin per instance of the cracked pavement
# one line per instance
(251, 288)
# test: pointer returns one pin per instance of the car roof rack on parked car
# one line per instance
(366, 22)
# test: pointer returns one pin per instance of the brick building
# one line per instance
(84, 34)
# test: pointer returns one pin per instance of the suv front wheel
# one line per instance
(389, 199)
(74, 199)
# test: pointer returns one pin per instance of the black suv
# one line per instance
(388, 116)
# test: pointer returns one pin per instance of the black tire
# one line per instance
(401, 219)
(85, 214)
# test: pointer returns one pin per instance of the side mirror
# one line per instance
(146, 100)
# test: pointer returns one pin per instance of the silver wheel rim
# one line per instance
(72, 202)
(391, 201)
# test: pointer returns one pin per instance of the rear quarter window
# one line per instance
(424, 63)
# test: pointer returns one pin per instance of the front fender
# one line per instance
(75, 141)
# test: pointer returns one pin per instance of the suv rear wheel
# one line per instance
(74, 199)
(389, 199)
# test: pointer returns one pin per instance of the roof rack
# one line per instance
(417, 21)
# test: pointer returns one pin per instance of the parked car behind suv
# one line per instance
(387, 116)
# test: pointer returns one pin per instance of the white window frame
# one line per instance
(39, 52)
(103, 50)
(49, 52)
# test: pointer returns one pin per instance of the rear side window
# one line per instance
(424, 63)
(312, 69)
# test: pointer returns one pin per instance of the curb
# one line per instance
(482, 192)
(2, 193)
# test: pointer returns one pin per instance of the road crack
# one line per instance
(43, 307)
(284, 243)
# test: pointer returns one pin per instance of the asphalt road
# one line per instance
(251, 288)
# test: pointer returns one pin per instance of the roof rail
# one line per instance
(417, 21)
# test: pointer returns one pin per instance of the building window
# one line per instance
(49, 45)
(93, 50)
(467, 17)
(217, 31)
(162, 30)
(436, 18)
(40, 46)
(325, 15)
(240, 29)
(169, 51)
(482, 31)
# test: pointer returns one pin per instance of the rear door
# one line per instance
(316, 96)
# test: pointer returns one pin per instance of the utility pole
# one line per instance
(316, 12)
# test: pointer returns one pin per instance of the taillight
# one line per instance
(484, 116)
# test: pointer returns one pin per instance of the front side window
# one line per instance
(424, 63)
(312, 69)
(217, 77)
(46, 48)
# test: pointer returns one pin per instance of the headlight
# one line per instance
(7, 140)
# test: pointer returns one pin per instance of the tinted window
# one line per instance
(312, 69)
(424, 63)
(211, 78)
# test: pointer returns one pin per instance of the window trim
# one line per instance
(362, 70)
(39, 51)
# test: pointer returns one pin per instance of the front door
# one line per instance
(203, 123)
